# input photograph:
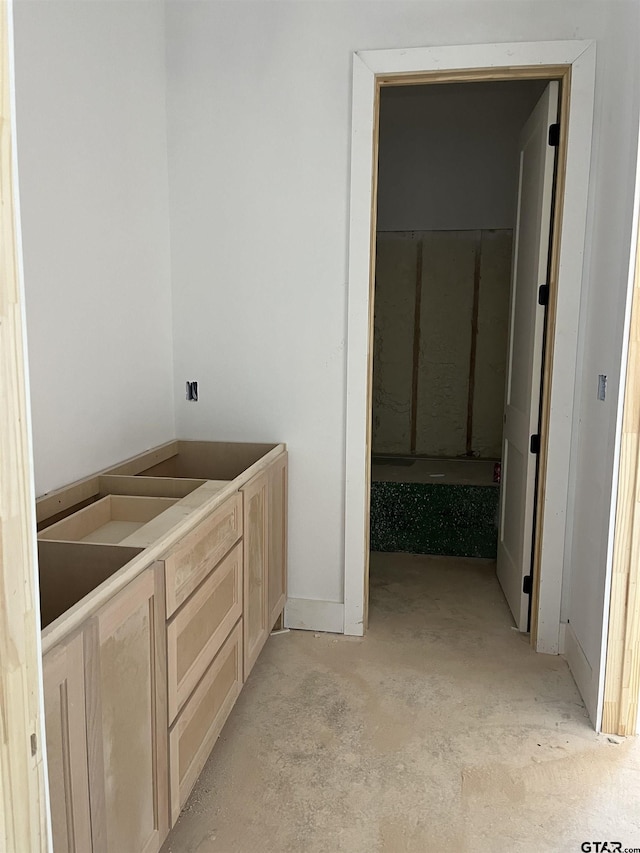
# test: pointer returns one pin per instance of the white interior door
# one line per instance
(524, 359)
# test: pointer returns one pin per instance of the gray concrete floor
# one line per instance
(439, 731)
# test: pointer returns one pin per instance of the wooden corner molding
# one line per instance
(23, 811)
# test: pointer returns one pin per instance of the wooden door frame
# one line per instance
(621, 689)
(573, 63)
(24, 821)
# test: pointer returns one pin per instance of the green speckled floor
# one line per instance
(424, 518)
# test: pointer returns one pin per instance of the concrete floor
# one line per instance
(440, 731)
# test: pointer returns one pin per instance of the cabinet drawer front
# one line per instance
(200, 722)
(191, 560)
(198, 630)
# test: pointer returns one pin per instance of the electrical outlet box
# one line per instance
(192, 391)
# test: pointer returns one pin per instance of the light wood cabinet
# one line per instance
(106, 726)
(156, 636)
(265, 556)
(64, 708)
(277, 537)
(127, 718)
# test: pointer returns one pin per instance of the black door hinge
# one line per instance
(526, 584)
(543, 294)
(554, 135)
(534, 444)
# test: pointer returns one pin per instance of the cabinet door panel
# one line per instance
(128, 722)
(65, 723)
(256, 550)
(277, 563)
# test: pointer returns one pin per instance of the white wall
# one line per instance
(448, 157)
(611, 193)
(259, 123)
(91, 127)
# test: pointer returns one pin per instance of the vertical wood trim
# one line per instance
(24, 808)
(358, 414)
(93, 713)
(157, 611)
(375, 143)
(548, 354)
(416, 349)
(474, 344)
(63, 669)
(75, 690)
(622, 674)
(66, 765)
(256, 488)
(278, 471)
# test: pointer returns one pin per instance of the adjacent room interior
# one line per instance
(448, 178)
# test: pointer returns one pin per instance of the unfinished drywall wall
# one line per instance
(446, 317)
(398, 269)
(448, 169)
(259, 106)
(491, 342)
(439, 358)
(91, 125)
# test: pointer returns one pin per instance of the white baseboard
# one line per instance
(562, 638)
(582, 672)
(306, 614)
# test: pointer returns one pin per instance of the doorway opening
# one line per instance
(464, 205)
(572, 65)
